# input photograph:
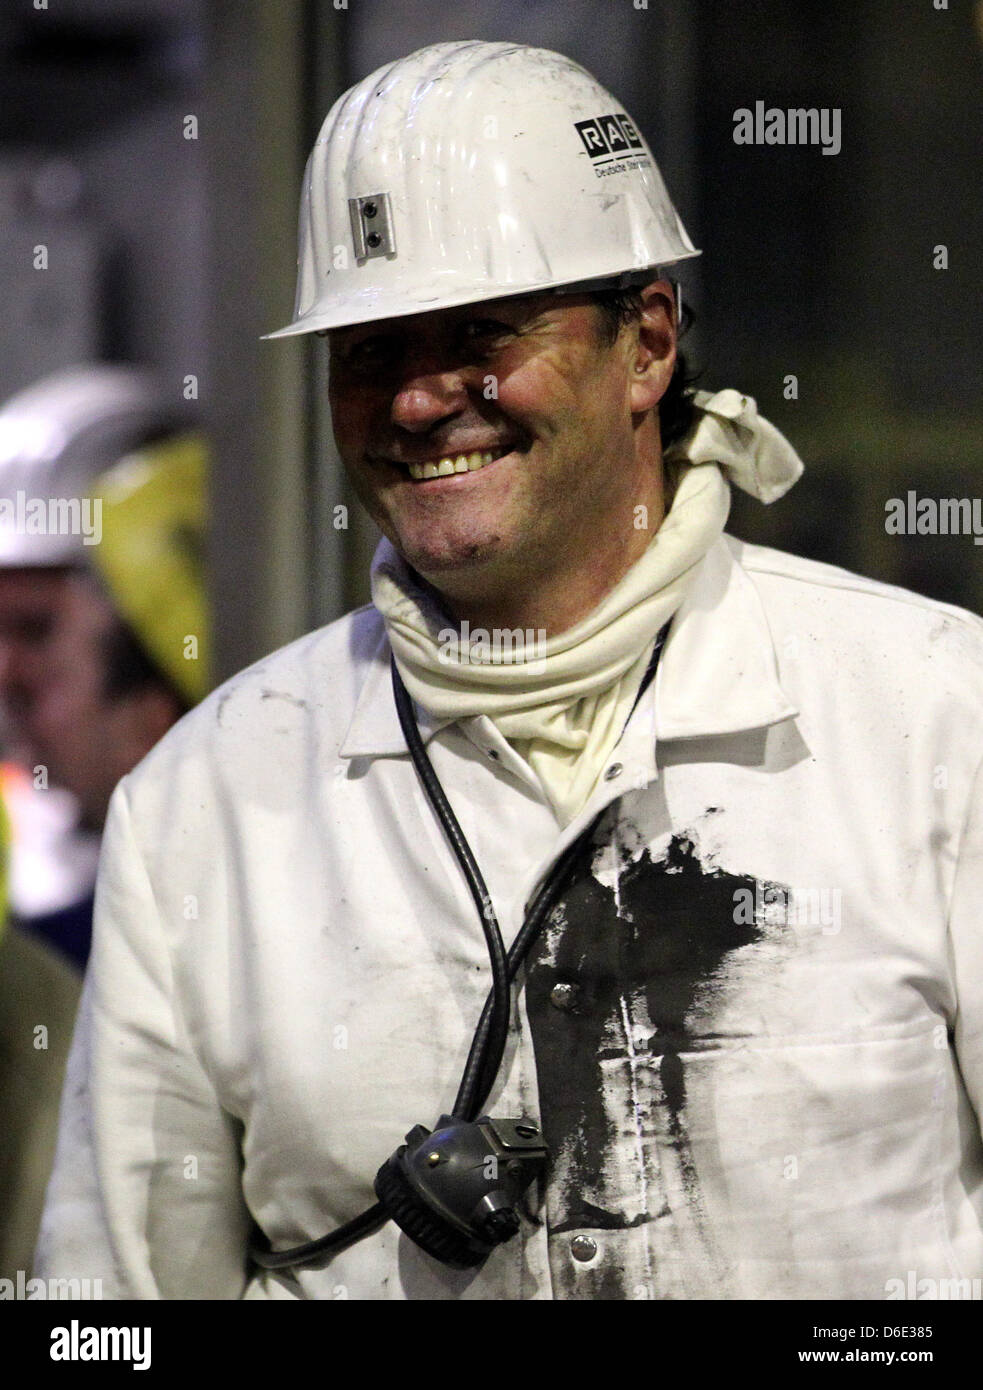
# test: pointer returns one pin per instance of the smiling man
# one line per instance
(729, 820)
(496, 501)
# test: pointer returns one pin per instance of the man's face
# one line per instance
(53, 625)
(529, 394)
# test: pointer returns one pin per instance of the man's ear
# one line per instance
(655, 350)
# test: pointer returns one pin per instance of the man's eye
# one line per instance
(483, 330)
(367, 352)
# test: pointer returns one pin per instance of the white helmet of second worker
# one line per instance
(473, 171)
(55, 436)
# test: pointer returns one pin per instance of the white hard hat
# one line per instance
(472, 171)
(55, 437)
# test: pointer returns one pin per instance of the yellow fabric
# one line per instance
(564, 705)
(151, 555)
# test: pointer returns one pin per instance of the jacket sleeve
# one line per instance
(966, 947)
(145, 1194)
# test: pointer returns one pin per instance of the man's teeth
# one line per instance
(443, 468)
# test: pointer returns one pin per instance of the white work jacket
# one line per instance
(784, 1100)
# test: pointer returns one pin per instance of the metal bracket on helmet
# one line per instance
(372, 226)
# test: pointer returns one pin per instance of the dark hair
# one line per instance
(622, 307)
(128, 668)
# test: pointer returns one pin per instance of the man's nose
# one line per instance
(426, 397)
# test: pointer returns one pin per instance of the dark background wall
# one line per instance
(823, 267)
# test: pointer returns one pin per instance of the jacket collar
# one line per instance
(718, 673)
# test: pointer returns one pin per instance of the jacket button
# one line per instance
(583, 1248)
(493, 754)
(615, 770)
(563, 995)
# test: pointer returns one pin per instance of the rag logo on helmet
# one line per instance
(611, 142)
(607, 138)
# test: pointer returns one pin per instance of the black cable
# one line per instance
(364, 1224)
(539, 909)
(492, 1033)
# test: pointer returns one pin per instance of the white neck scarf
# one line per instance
(563, 704)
